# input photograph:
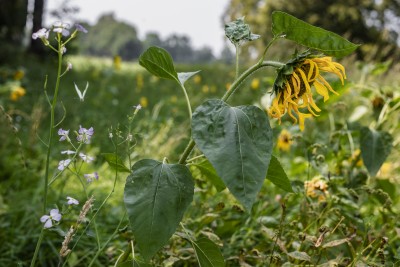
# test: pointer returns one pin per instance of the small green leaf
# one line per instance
(294, 29)
(299, 255)
(208, 171)
(375, 148)
(208, 253)
(159, 63)
(156, 196)
(184, 76)
(238, 143)
(276, 174)
(115, 162)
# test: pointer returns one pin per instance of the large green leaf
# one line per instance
(210, 173)
(156, 197)
(305, 34)
(208, 253)
(159, 63)
(115, 162)
(375, 147)
(238, 143)
(276, 174)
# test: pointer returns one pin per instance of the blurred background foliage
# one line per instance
(373, 23)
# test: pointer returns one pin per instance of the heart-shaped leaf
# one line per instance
(159, 63)
(238, 143)
(208, 253)
(156, 197)
(276, 174)
(308, 35)
(375, 147)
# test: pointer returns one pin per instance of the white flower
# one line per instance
(86, 158)
(48, 219)
(72, 201)
(63, 164)
(69, 66)
(90, 176)
(42, 33)
(68, 152)
(61, 27)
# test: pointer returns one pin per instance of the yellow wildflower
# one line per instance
(284, 140)
(139, 81)
(144, 102)
(357, 157)
(17, 93)
(293, 86)
(18, 75)
(316, 188)
(197, 79)
(255, 84)
(205, 89)
(386, 170)
(117, 62)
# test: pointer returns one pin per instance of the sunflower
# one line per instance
(284, 140)
(292, 87)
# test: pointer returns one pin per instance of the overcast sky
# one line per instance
(199, 19)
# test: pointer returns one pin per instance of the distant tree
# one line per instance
(179, 47)
(13, 16)
(376, 24)
(152, 39)
(110, 37)
(227, 56)
(36, 46)
(203, 55)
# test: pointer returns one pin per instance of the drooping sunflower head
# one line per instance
(293, 84)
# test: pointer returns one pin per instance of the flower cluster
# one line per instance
(62, 29)
(84, 136)
(292, 87)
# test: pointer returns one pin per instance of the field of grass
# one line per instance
(338, 215)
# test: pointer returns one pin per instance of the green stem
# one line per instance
(108, 241)
(268, 46)
(187, 100)
(37, 247)
(237, 48)
(49, 146)
(51, 130)
(97, 211)
(235, 85)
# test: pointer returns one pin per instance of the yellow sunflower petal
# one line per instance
(321, 90)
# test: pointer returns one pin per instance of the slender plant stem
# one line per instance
(283, 215)
(37, 247)
(108, 241)
(50, 141)
(237, 48)
(189, 106)
(236, 84)
(51, 128)
(97, 211)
